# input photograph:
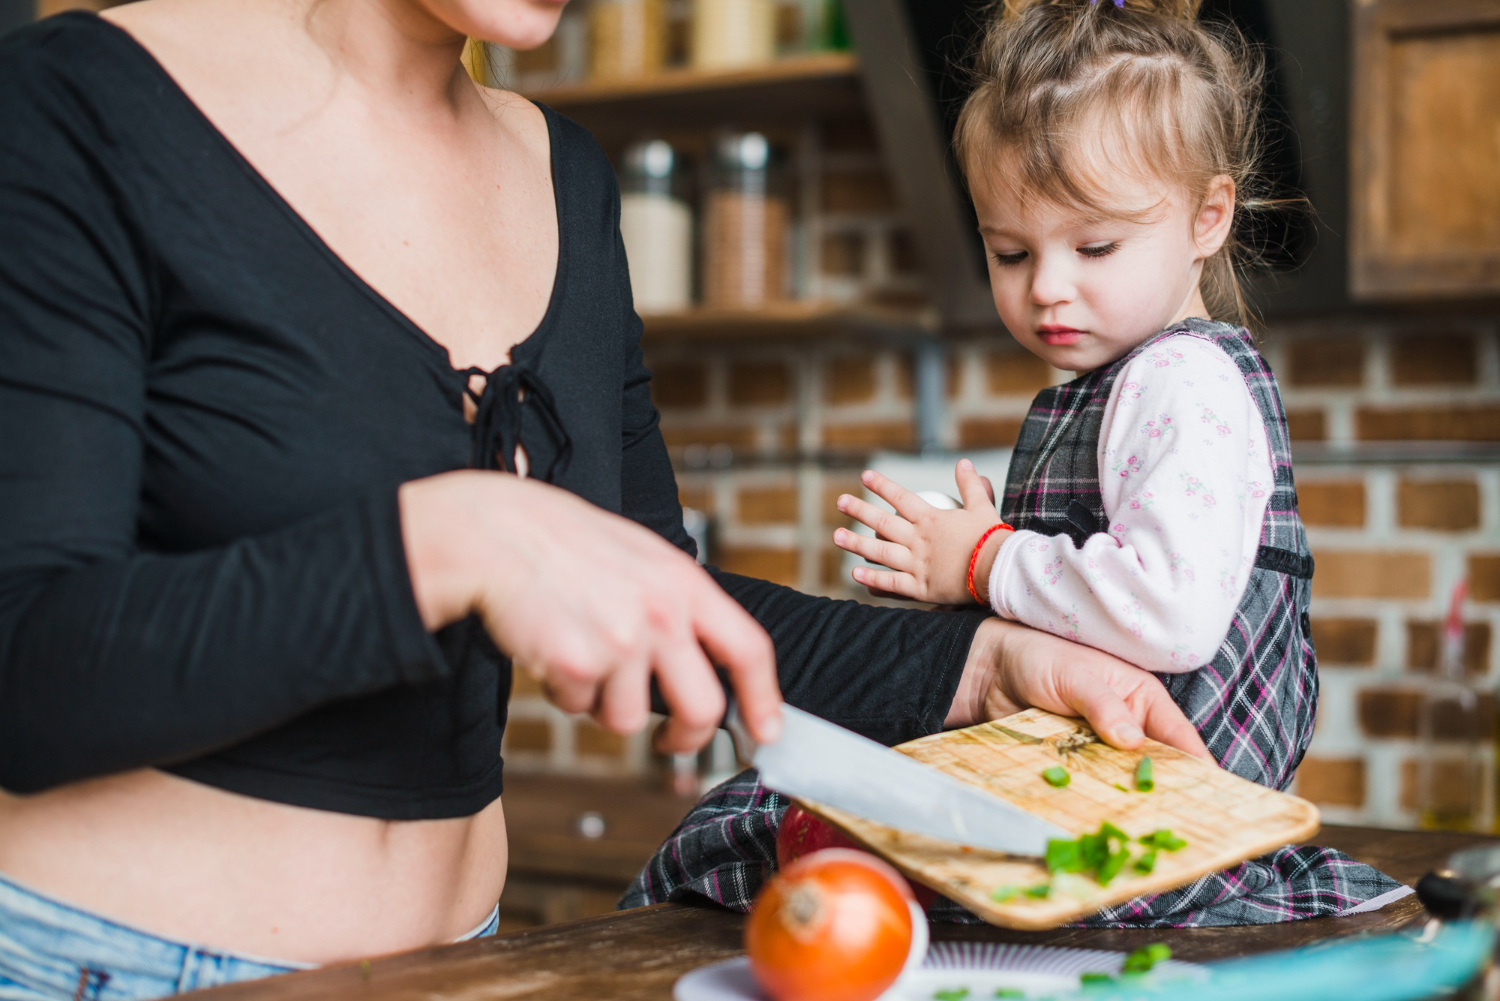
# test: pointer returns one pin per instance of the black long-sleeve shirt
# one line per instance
(204, 417)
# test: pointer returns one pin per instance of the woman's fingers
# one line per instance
(624, 703)
(694, 699)
(886, 525)
(738, 644)
(1163, 721)
(887, 554)
(971, 487)
(907, 504)
(590, 602)
(1104, 708)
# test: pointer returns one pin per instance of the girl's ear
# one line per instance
(1215, 217)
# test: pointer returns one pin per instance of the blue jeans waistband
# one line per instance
(52, 951)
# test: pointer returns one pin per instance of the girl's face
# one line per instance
(1080, 291)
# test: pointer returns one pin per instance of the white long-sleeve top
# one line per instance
(1185, 475)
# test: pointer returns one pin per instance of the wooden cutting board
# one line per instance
(1224, 818)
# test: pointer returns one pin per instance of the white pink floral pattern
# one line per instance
(1168, 491)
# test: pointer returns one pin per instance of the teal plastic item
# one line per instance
(1377, 968)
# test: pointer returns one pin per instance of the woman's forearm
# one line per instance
(152, 659)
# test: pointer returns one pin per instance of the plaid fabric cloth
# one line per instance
(1254, 704)
(725, 849)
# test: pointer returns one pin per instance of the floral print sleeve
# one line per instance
(1185, 474)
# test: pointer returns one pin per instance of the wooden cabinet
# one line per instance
(1425, 165)
(575, 843)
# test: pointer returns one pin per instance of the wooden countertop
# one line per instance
(639, 954)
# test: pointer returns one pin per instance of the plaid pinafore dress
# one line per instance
(1255, 703)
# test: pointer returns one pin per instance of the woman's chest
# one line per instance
(278, 389)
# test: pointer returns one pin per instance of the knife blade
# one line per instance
(820, 761)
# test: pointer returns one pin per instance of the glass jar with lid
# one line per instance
(657, 227)
(628, 38)
(733, 33)
(745, 226)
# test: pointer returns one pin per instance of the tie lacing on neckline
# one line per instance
(497, 419)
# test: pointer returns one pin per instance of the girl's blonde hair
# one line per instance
(1179, 100)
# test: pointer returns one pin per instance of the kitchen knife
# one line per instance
(819, 761)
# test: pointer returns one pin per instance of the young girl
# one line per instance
(1150, 501)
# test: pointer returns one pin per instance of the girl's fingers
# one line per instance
(876, 592)
(897, 585)
(886, 525)
(971, 487)
(907, 504)
(887, 554)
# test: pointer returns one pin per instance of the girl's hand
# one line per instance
(587, 602)
(1012, 667)
(927, 549)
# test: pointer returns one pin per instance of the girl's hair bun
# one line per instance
(1182, 10)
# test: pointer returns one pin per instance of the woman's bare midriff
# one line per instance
(191, 862)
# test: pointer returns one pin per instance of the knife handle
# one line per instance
(744, 744)
(1447, 897)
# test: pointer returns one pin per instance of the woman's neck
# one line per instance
(395, 50)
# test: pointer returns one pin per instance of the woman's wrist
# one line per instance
(978, 697)
(438, 529)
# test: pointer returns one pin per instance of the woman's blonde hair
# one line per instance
(1179, 99)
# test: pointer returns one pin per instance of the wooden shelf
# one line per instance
(798, 88)
(786, 320)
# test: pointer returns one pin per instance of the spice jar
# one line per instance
(657, 227)
(745, 227)
(629, 38)
(733, 33)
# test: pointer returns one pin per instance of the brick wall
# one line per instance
(1392, 538)
(765, 436)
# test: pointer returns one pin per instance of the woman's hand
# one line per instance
(590, 604)
(1012, 667)
(927, 549)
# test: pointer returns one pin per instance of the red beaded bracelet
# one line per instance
(974, 560)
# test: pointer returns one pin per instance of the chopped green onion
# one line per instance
(1146, 957)
(1009, 992)
(951, 994)
(1146, 863)
(1121, 788)
(1103, 853)
(1040, 890)
(1057, 776)
(1003, 894)
(1144, 781)
(1063, 856)
(1095, 977)
(1163, 839)
(1112, 866)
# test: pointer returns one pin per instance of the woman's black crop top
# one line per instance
(204, 417)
